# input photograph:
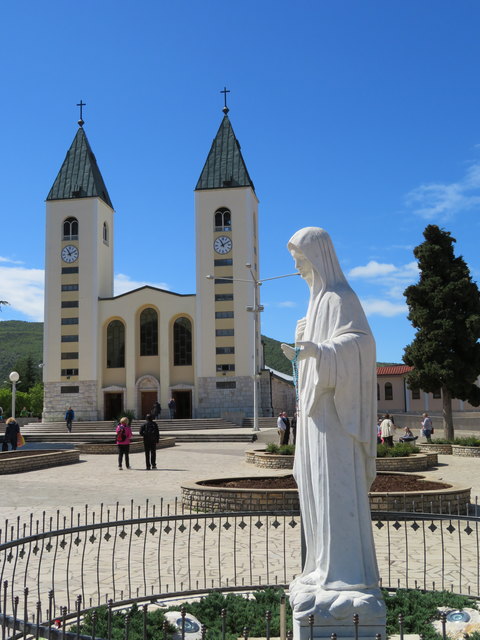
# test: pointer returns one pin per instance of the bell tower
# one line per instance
(78, 271)
(226, 218)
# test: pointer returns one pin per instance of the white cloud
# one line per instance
(385, 308)
(287, 303)
(443, 201)
(10, 261)
(23, 289)
(123, 284)
(372, 270)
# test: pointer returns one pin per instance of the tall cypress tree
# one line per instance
(444, 307)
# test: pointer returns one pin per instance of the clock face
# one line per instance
(222, 244)
(69, 253)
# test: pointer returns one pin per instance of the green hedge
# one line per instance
(400, 450)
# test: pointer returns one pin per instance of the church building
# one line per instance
(106, 354)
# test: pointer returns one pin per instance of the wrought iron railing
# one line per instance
(143, 554)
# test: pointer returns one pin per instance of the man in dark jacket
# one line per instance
(151, 435)
(11, 433)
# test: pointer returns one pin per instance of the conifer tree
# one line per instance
(444, 307)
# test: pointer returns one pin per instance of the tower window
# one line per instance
(105, 233)
(69, 372)
(223, 314)
(223, 350)
(222, 297)
(69, 320)
(115, 345)
(69, 390)
(182, 342)
(69, 304)
(224, 332)
(69, 287)
(69, 338)
(223, 262)
(66, 270)
(225, 367)
(70, 229)
(70, 355)
(149, 333)
(223, 220)
(226, 385)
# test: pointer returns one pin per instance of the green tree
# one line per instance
(444, 307)
(29, 372)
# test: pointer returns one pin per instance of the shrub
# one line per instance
(441, 441)
(272, 447)
(287, 450)
(400, 450)
(470, 441)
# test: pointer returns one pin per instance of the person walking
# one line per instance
(149, 432)
(69, 416)
(286, 435)
(156, 410)
(427, 427)
(124, 437)
(172, 407)
(281, 427)
(294, 428)
(387, 429)
(11, 433)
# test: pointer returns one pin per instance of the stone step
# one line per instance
(108, 426)
(110, 437)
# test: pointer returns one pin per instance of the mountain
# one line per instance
(17, 341)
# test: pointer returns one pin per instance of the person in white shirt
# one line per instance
(387, 429)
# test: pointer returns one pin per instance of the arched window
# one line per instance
(70, 229)
(149, 333)
(223, 220)
(115, 344)
(105, 233)
(388, 391)
(182, 342)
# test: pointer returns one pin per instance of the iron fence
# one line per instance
(146, 553)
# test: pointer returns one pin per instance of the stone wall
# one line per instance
(21, 461)
(445, 449)
(136, 446)
(465, 452)
(223, 403)
(454, 500)
(55, 402)
(415, 462)
(218, 499)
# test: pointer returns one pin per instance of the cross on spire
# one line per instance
(81, 104)
(225, 108)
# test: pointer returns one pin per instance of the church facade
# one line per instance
(105, 354)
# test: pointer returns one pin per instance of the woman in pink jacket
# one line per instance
(124, 437)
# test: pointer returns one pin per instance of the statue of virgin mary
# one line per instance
(336, 442)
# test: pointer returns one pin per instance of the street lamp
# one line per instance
(256, 309)
(14, 378)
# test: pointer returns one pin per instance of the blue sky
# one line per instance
(359, 117)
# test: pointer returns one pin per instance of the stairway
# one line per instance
(193, 430)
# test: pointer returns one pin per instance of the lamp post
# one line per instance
(256, 309)
(14, 378)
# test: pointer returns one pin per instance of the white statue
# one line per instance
(335, 446)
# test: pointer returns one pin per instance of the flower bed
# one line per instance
(30, 460)
(465, 451)
(266, 460)
(445, 449)
(415, 462)
(103, 448)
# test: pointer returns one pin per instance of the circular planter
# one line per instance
(205, 495)
(445, 449)
(208, 495)
(465, 452)
(414, 462)
(454, 499)
(31, 460)
(272, 460)
(136, 446)
(250, 457)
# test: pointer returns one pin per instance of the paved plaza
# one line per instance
(430, 555)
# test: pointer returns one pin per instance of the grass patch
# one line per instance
(418, 609)
(400, 450)
(282, 450)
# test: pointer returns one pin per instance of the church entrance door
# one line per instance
(148, 400)
(113, 403)
(183, 400)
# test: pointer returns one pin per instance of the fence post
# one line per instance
(283, 617)
(268, 618)
(109, 619)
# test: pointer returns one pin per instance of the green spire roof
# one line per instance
(225, 166)
(79, 176)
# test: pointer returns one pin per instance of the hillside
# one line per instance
(20, 339)
(17, 341)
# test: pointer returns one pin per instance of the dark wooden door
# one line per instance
(148, 400)
(113, 406)
(183, 400)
